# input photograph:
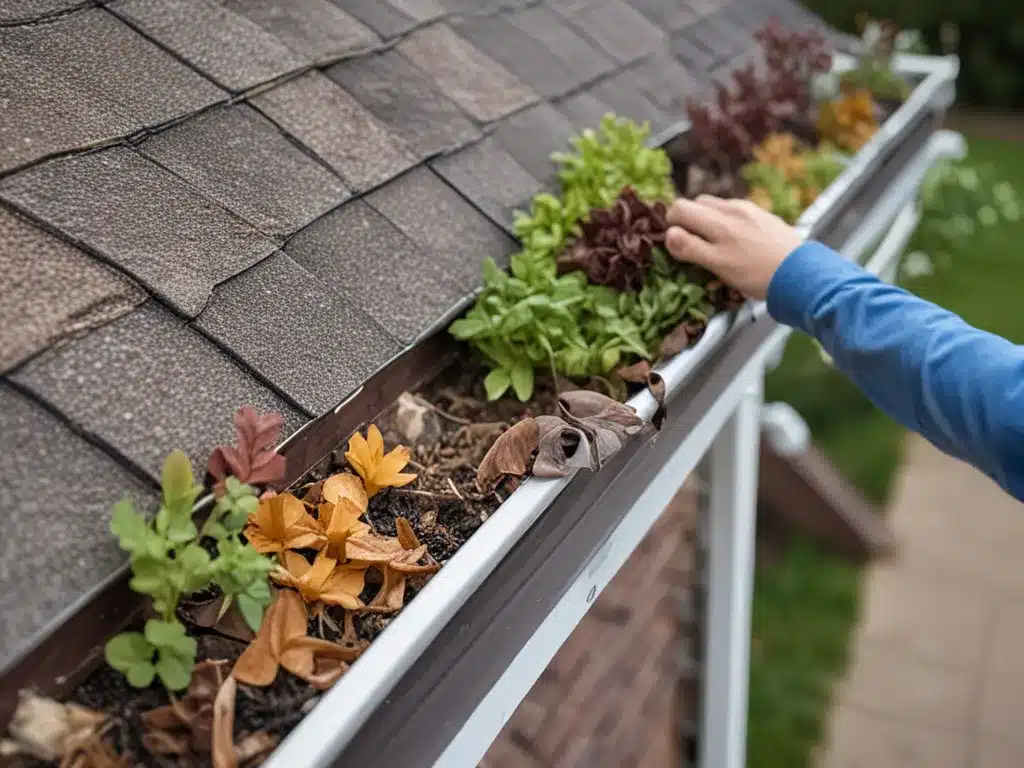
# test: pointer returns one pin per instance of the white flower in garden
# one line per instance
(987, 216)
(917, 264)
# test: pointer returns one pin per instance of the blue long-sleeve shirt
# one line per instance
(961, 388)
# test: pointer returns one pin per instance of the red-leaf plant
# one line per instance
(253, 460)
(764, 98)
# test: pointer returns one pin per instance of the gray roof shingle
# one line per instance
(336, 249)
(296, 333)
(405, 100)
(262, 202)
(481, 86)
(56, 545)
(236, 156)
(316, 29)
(490, 177)
(37, 309)
(146, 384)
(85, 79)
(340, 131)
(435, 216)
(142, 218)
(226, 47)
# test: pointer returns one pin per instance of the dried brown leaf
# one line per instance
(345, 502)
(656, 385)
(562, 448)
(253, 460)
(208, 615)
(259, 661)
(223, 747)
(510, 454)
(255, 747)
(189, 721)
(406, 535)
(48, 729)
(636, 373)
(583, 404)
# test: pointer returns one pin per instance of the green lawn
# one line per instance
(806, 605)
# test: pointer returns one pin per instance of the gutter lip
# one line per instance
(324, 733)
(433, 608)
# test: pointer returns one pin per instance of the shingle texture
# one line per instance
(52, 291)
(301, 337)
(239, 158)
(56, 545)
(479, 85)
(225, 46)
(212, 203)
(142, 218)
(84, 79)
(147, 384)
(333, 125)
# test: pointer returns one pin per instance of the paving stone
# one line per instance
(146, 385)
(405, 100)
(584, 110)
(483, 88)
(930, 618)
(237, 157)
(490, 178)
(36, 307)
(434, 215)
(142, 218)
(15, 11)
(934, 695)
(316, 29)
(56, 545)
(226, 47)
(306, 340)
(331, 123)
(362, 256)
(84, 79)
(863, 740)
(616, 28)
(1004, 678)
(532, 135)
(383, 18)
(536, 46)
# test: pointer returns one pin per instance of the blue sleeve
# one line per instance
(962, 388)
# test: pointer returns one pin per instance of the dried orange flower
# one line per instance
(396, 558)
(344, 503)
(366, 456)
(322, 582)
(281, 522)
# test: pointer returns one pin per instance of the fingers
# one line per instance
(703, 220)
(719, 204)
(686, 246)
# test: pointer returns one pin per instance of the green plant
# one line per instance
(532, 317)
(169, 561)
(787, 178)
(874, 70)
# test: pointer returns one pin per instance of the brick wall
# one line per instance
(620, 692)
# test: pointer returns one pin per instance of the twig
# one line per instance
(426, 494)
(444, 414)
(498, 497)
(451, 484)
(416, 465)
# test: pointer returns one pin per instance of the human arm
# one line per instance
(960, 387)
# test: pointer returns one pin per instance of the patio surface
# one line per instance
(937, 668)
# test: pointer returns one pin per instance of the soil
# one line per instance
(444, 507)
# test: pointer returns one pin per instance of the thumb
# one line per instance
(686, 246)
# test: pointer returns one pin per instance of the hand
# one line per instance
(739, 242)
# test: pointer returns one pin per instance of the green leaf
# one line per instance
(497, 383)
(128, 650)
(130, 528)
(610, 358)
(140, 675)
(175, 670)
(194, 562)
(176, 479)
(170, 636)
(149, 576)
(251, 610)
(467, 328)
(522, 381)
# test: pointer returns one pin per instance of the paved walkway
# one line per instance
(937, 673)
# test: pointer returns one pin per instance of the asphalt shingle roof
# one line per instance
(211, 203)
